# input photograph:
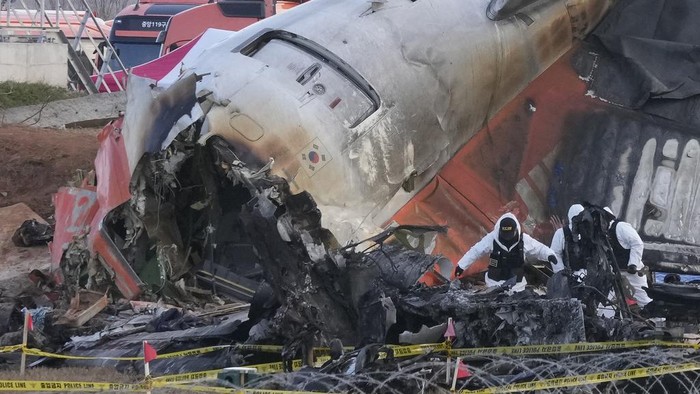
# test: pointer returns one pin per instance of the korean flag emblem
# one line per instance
(314, 157)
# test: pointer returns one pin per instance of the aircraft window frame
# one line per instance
(323, 55)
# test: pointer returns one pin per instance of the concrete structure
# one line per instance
(34, 62)
(87, 111)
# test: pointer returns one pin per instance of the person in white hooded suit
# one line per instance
(509, 249)
(563, 243)
(628, 247)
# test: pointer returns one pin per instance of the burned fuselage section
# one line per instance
(200, 220)
(183, 217)
(306, 90)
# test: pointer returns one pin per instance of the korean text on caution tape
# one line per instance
(192, 352)
(23, 385)
(186, 377)
(560, 349)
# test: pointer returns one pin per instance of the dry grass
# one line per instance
(71, 374)
(16, 94)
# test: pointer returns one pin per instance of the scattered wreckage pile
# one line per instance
(205, 234)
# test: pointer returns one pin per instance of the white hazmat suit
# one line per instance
(532, 249)
(559, 241)
(630, 240)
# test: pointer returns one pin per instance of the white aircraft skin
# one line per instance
(352, 99)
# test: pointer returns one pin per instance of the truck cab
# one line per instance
(136, 28)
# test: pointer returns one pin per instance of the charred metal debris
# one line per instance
(200, 220)
(32, 233)
(205, 233)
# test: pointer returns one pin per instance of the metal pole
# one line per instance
(25, 337)
(146, 368)
(76, 42)
(617, 283)
(43, 14)
(454, 377)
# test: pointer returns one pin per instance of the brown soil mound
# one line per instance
(34, 163)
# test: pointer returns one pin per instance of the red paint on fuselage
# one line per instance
(479, 183)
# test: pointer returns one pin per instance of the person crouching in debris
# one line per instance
(627, 247)
(575, 255)
(566, 247)
(509, 247)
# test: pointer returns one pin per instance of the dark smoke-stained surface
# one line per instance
(649, 57)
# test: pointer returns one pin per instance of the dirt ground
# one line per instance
(34, 163)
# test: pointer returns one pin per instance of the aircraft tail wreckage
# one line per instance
(328, 163)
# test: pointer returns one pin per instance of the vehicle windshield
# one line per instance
(134, 54)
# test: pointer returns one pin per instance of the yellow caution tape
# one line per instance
(260, 348)
(399, 351)
(181, 353)
(24, 385)
(192, 352)
(186, 377)
(213, 374)
(41, 353)
(279, 366)
(677, 344)
(414, 350)
(582, 380)
(325, 350)
(583, 347)
(569, 381)
(10, 349)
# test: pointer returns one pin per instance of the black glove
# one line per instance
(631, 269)
(552, 259)
(458, 271)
